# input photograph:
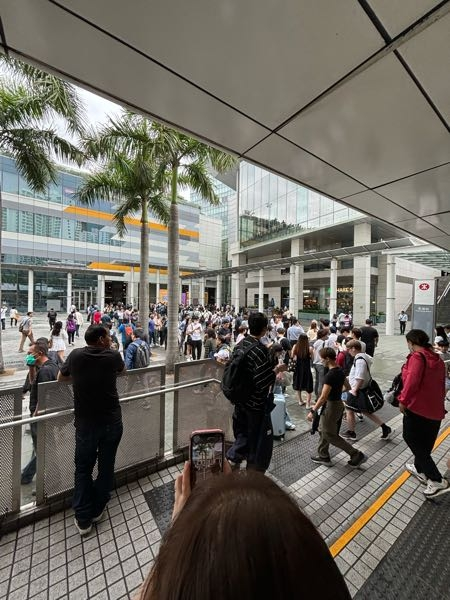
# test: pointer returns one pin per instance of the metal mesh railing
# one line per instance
(202, 407)
(143, 437)
(10, 446)
(152, 413)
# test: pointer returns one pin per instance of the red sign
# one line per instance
(424, 286)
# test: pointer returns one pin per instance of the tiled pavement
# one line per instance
(49, 560)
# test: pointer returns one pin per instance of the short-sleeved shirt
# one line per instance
(335, 379)
(94, 374)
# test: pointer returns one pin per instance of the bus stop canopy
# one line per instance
(350, 98)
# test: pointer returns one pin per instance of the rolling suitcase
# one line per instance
(279, 415)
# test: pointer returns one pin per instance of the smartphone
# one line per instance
(206, 454)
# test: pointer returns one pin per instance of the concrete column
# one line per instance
(333, 287)
(235, 290)
(261, 290)
(219, 290)
(158, 284)
(361, 275)
(299, 281)
(296, 283)
(201, 295)
(69, 291)
(292, 298)
(101, 291)
(30, 290)
(390, 295)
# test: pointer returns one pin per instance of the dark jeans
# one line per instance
(71, 336)
(196, 346)
(402, 327)
(253, 438)
(420, 434)
(92, 443)
(29, 471)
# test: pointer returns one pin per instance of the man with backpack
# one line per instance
(137, 355)
(247, 382)
(126, 329)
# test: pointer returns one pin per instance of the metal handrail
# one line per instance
(69, 411)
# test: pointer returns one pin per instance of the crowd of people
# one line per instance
(326, 362)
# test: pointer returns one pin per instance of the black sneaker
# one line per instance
(387, 432)
(360, 417)
(320, 460)
(349, 435)
(357, 460)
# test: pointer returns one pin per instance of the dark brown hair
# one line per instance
(301, 348)
(241, 535)
(328, 353)
(418, 338)
(354, 344)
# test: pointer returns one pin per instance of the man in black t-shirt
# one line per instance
(369, 335)
(332, 412)
(98, 422)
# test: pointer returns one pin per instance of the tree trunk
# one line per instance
(173, 278)
(143, 276)
(2, 362)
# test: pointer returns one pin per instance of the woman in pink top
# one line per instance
(422, 404)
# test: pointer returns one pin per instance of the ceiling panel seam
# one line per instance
(298, 181)
(376, 187)
(391, 45)
(107, 94)
(3, 36)
(422, 90)
(156, 62)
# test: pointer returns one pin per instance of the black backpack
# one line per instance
(142, 356)
(236, 381)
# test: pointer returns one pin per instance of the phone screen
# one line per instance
(206, 454)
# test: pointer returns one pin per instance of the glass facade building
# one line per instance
(53, 234)
(272, 207)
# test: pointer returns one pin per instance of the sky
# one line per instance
(97, 108)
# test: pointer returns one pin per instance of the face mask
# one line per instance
(30, 360)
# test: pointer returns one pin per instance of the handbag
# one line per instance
(292, 364)
(369, 399)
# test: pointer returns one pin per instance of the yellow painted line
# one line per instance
(97, 214)
(352, 531)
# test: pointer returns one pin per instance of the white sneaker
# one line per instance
(410, 467)
(83, 528)
(434, 488)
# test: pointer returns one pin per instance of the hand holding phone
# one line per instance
(206, 454)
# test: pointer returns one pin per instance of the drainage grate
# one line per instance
(424, 547)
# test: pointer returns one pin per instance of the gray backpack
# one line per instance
(142, 356)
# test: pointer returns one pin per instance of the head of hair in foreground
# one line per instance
(241, 535)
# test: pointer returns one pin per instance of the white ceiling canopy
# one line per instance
(350, 98)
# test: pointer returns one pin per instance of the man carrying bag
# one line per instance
(359, 380)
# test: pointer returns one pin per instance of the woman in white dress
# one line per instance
(58, 339)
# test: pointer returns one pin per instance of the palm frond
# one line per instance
(101, 184)
(197, 177)
(56, 95)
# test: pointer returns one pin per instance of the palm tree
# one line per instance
(128, 179)
(183, 162)
(30, 102)
(175, 160)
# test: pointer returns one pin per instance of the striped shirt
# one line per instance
(261, 369)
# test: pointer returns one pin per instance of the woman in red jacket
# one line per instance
(422, 404)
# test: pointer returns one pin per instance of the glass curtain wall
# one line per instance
(271, 206)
